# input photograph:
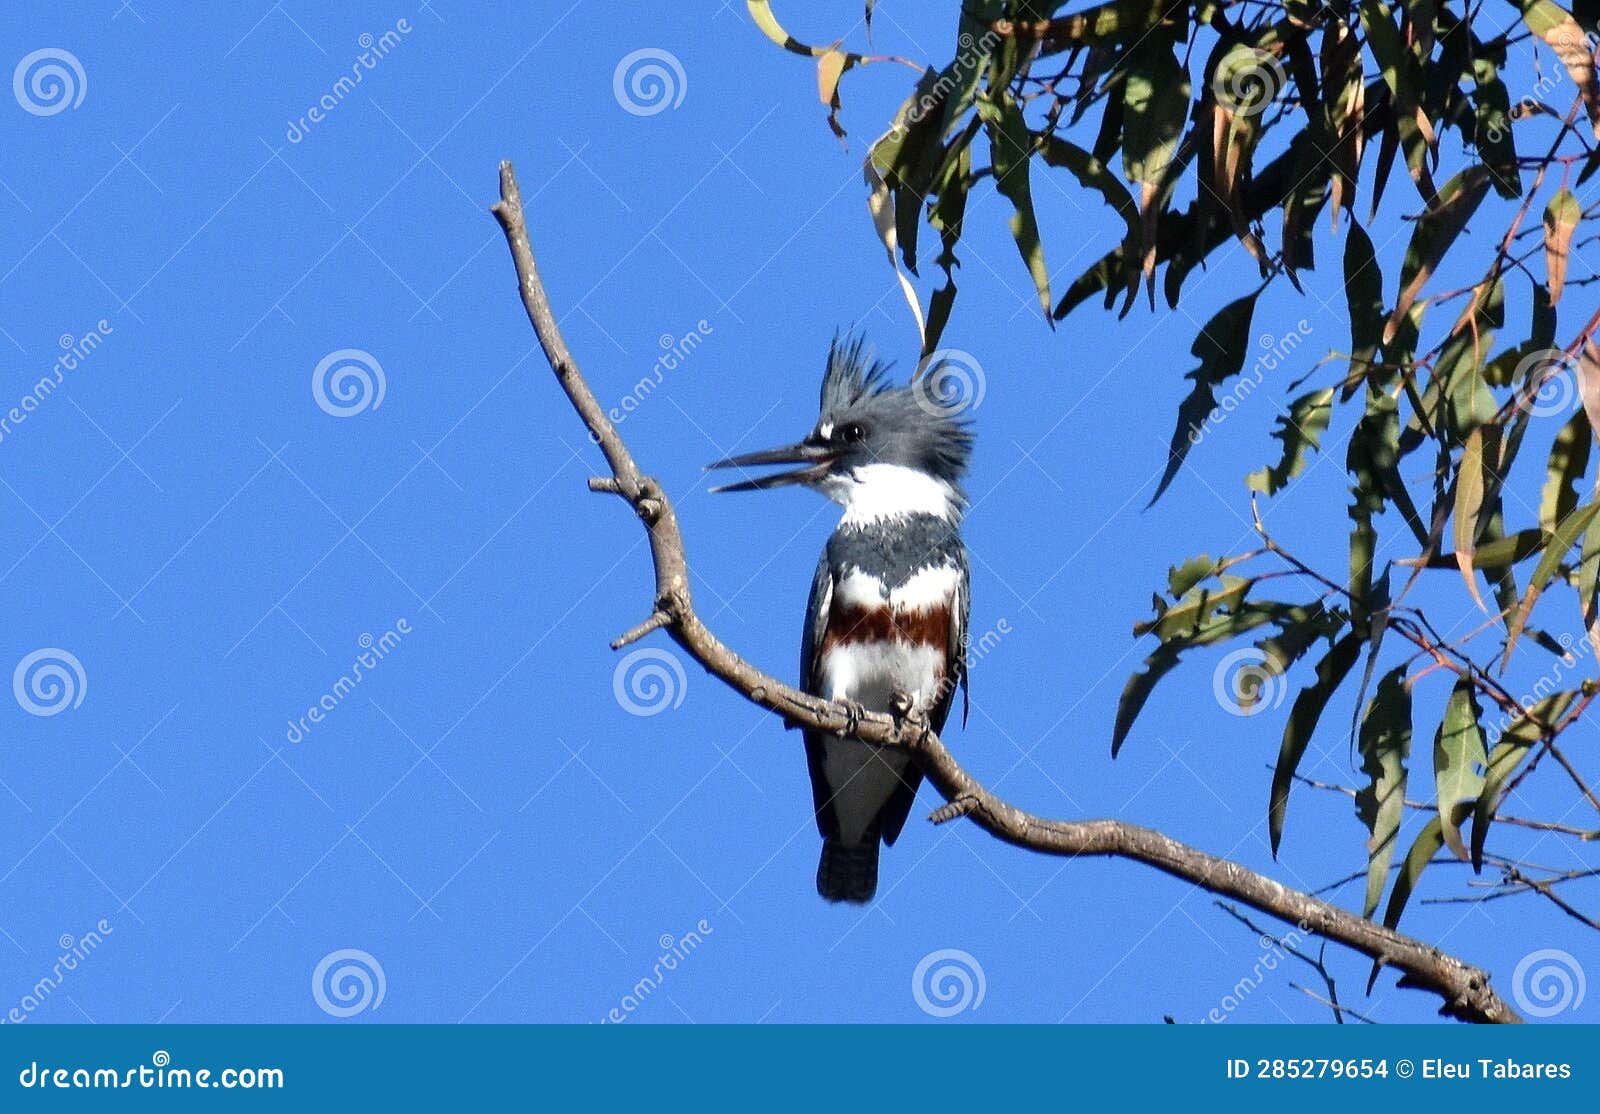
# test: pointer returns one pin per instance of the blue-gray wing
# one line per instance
(956, 647)
(816, 623)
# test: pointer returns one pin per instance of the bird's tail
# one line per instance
(848, 873)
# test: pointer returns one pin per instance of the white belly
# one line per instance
(870, 673)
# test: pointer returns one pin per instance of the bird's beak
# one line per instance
(817, 458)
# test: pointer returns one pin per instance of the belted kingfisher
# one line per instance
(888, 608)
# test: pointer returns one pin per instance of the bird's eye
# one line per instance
(852, 433)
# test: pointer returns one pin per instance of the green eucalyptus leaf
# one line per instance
(1458, 751)
(1510, 751)
(1303, 718)
(1300, 430)
(1385, 743)
(1220, 347)
(1011, 147)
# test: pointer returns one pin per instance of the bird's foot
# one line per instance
(854, 710)
(902, 704)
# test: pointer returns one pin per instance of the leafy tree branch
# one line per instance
(1464, 990)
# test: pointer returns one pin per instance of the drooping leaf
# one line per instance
(1402, 73)
(1588, 381)
(1477, 481)
(1492, 127)
(1095, 175)
(1385, 743)
(1303, 717)
(900, 171)
(1344, 105)
(1588, 583)
(1458, 751)
(1155, 102)
(1300, 429)
(1509, 752)
(881, 205)
(1363, 290)
(1163, 660)
(1561, 217)
(947, 215)
(1555, 25)
(1221, 348)
(1203, 614)
(1565, 537)
(1011, 147)
(830, 68)
(1569, 460)
(1423, 849)
(1436, 230)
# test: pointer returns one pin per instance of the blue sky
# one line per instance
(481, 817)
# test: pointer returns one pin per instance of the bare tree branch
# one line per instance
(1465, 989)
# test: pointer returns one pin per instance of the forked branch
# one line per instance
(1464, 989)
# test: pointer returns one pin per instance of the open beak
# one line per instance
(817, 458)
